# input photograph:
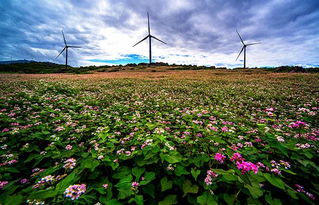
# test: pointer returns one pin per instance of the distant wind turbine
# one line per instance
(149, 36)
(66, 46)
(244, 49)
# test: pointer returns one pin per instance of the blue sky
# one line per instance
(126, 59)
(201, 32)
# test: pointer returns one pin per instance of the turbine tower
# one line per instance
(66, 46)
(244, 49)
(149, 36)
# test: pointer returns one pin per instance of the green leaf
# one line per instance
(195, 173)
(44, 194)
(172, 157)
(151, 126)
(13, 200)
(150, 190)
(276, 181)
(255, 191)
(67, 181)
(180, 170)
(124, 187)
(229, 177)
(122, 172)
(189, 188)
(113, 202)
(125, 182)
(166, 184)
(251, 201)
(148, 177)
(137, 172)
(272, 201)
(206, 199)
(229, 199)
(90, 163)
(169, 200)
(139, 199)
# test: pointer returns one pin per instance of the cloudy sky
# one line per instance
(201, 32)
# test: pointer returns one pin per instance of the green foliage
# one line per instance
(146, 141)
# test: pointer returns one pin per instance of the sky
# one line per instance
(197, 32)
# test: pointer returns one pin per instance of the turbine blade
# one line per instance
(240, 52)
(252, 44)
(148, 23)
(74, 46)
(240, 38)
(61, 52)
(142, 40)
(158, 39)
(64, 38)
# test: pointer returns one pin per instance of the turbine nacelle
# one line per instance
(66, 46)
(149, 36)
(244, 48)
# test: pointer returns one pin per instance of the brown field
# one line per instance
(225, 75)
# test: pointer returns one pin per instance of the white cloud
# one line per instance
(197, 32)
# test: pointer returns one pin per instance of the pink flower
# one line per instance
(105, 186)
(12, 161)
(3, 184)
(208, 180)
(59, 129)
(234, 147)
(270, 114)
(276, 171)
(199, 135)
(302, 190)
(212, 173)
(75, 191)
(219, 157)
(246, 167)
(135, 184)
(298, 124)
(236, 157)
(24, 181)
(213, 128)
(258, 140)
(270, 109)
(224, 129)
(68, 147)
(69, 163)
(5, 130)
(259, 164)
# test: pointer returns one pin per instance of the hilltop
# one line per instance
(25, 66)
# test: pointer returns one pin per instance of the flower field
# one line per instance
(180, 137)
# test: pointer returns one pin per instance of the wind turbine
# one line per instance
(66, 46)
(149, 36)
(244, 49)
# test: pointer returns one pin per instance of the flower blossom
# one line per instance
(302, 190)
(69, 163)
(298, 124)
(3, 184)
(68, 147)
(219, 157)
(237, 157)
(246, 167)
(24, 181)
(208, 179)
(225, 129)
(75, 191)
(135, 185)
